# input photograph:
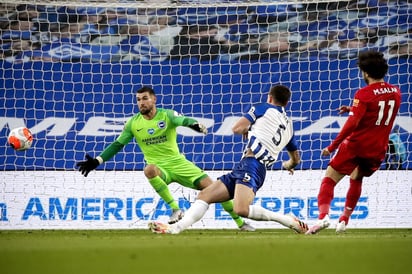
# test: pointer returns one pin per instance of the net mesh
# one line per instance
(70, 69)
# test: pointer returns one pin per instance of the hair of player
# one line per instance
(281, 94)
(373, 63)
(146, 89)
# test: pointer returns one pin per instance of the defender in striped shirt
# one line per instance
(268, 131)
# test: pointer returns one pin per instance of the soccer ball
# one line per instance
(20, 138)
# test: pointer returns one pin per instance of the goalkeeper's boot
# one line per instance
(320, 225)
(176, 216)
(297, 225)
(341, 227)
(247, 227)
(161, 228)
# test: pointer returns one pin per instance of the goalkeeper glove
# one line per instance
(199, 128)
(86, 166)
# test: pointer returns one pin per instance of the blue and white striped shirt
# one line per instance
(270, 132)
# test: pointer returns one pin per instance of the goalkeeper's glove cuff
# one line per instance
(100, 160)
(199, 128)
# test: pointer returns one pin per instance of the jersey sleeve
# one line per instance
(356, 113)
(255, 112)
(111, 150)
(292, 145)
(123, 139)
(126, 136)
(178, 119)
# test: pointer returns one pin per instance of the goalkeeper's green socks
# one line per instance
(228, 207)
(162, 189)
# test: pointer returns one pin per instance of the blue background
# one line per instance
(36, 90)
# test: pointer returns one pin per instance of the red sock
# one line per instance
(352, 198)
(325, 196)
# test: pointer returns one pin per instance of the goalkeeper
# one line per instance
(155, 132)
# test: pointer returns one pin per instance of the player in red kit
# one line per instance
(362, 141)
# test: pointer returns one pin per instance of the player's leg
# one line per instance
(352, 197)
(228, 207)
(248, 177)
(325, 197)
(216, 192)
(189, 175)
(343, 163)
(327, 189)
(243, 200)
(154, 174)
(366, 168)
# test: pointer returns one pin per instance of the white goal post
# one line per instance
(70, 69)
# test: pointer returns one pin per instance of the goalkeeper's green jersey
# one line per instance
(157, 138)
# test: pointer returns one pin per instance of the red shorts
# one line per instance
(346, 160)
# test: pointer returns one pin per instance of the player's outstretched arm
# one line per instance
(241, 126)
(346, 130)
(92, 163)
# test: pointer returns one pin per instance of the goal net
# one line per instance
(70, 70)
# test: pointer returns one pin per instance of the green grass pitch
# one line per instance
(363, 251)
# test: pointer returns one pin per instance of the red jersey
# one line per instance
(370, 120)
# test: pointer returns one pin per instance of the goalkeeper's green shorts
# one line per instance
(183, 172)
